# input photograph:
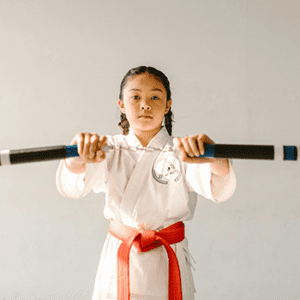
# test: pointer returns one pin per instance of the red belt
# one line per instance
(145, 240)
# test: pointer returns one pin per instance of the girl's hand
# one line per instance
(191, 146)
(89, 147)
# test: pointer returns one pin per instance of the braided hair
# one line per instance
(124, 124)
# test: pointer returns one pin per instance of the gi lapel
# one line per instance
(139, 177)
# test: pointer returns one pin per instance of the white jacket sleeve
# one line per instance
(78, 185)
(217, 188)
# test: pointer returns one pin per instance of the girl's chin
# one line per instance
(146, 127)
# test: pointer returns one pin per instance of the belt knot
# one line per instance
(147, 237)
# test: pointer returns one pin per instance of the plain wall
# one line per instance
(234, 73)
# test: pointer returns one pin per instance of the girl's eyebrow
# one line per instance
(151, 90)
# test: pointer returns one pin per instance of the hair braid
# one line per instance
(168, 121)
(124, 124)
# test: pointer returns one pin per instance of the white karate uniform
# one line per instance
(146, 190)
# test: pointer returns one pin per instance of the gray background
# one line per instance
(234, 73)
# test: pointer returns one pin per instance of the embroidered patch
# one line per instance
(166, 168)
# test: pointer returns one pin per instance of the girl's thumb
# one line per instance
(100, 155)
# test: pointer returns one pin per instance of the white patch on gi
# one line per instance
(166, 168)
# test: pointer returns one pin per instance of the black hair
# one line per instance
(124, 124)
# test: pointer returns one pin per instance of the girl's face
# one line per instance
(144, 95)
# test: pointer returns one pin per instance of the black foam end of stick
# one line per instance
(244, 151)
(37, 154)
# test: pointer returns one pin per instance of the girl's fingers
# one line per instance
(178, 144)
(87, 145)
(187, 146)
(100, 156)
(187, 143)
(201, 147)
(102, 141)
(101, 144)
(191, 147)
(194, 146)
(204, 139)
(80, 143)
(94, 145)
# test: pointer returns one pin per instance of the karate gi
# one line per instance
(145, 190)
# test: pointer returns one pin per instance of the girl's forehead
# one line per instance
(144, 80)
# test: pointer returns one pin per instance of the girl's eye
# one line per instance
(137, 97)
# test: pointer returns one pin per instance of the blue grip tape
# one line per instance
(209, 150)
(289, 152)
(71, 151)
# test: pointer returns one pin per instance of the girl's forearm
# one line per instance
(75, 167)
(220, 166)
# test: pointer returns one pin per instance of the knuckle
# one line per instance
(94, 140)
(95, 137)
(79, 136)
(87, 140)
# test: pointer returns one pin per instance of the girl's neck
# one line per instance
(145, 137)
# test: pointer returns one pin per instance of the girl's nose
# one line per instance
(147, 107)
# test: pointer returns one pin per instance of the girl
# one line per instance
(148, 194)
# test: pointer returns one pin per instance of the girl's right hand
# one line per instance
(89, 148)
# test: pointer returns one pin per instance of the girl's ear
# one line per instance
(168, 105)
(121, 105)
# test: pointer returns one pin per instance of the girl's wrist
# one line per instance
(75, 167)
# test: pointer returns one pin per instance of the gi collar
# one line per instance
(158, 140)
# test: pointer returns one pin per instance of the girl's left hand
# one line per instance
(193, 145)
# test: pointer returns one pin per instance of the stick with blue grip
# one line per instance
(230, 151)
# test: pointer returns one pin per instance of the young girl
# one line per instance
(148, 194)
